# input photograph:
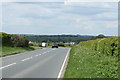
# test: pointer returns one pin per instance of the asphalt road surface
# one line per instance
(42, 63)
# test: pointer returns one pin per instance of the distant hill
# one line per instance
(58, 38)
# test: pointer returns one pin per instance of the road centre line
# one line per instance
(36, 55)
(26, 59)
(8, 65)
(23, 60)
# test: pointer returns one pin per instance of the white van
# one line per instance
(43, 44)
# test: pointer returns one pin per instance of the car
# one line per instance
(54, 45)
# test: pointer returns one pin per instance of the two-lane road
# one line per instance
(42, 63)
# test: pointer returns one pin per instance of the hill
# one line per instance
(59, 38)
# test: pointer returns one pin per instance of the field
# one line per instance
(7, 50)
(94, 59)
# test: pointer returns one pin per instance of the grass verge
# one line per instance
(6, 50)
(88, 63)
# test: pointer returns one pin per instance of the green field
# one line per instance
(7, 50)
(94, 59)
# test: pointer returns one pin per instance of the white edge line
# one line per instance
(8, 65)
(59, 75)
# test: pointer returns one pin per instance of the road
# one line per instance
(42, 63)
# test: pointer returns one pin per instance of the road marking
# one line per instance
(60, 73)
(36, 55)
(8, 65)
(26, 59)
(43, 53)
(23, 59)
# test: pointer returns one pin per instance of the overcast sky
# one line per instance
(85, 18)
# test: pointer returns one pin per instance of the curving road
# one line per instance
(42, 63)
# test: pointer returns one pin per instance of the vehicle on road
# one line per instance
(43, 44)
(54, 45)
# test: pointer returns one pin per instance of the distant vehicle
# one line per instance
(43, 44)
(54, 45)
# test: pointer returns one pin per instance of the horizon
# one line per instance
(56, 34)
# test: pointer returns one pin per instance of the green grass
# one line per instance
(6, 50)
(86, 62)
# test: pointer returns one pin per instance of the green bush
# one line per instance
(6, 38)
(68, 45)
(61, 44)
(34, 44)
(13, 40)
(19, 41)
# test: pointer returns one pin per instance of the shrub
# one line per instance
(5, 39)
(108, 46)
(34, 44)
(19, 41)
(100, 36)
(61, 44)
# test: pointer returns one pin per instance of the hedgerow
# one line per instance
(107, 46)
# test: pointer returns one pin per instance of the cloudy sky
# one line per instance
(85, 18)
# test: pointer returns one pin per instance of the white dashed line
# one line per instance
(36, 55)
(44, 53)
(8, 65)
(26, 59)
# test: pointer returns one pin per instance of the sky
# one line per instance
(55, 18)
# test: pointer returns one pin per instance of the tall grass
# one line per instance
(94, 59)
(107, 46)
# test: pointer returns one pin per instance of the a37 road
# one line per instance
(42, 63)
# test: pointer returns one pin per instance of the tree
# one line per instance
(19, 41)
(49, 43)
(5, 38)
(100, 36)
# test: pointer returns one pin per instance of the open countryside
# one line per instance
(98, 57)
(59, 40)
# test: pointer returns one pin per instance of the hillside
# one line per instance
(59, 38)
(94, 59)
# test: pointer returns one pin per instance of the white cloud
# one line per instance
(1, 23)
(111, 24)
(67, 1)
(21, 21)
(31, 0)
(108, 15)
(59, 0)
(110, 5)
(85, 18)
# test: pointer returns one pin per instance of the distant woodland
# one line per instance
(59, 38)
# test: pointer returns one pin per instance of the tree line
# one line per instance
(17, 40)
(59, 38)
(62, 38)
